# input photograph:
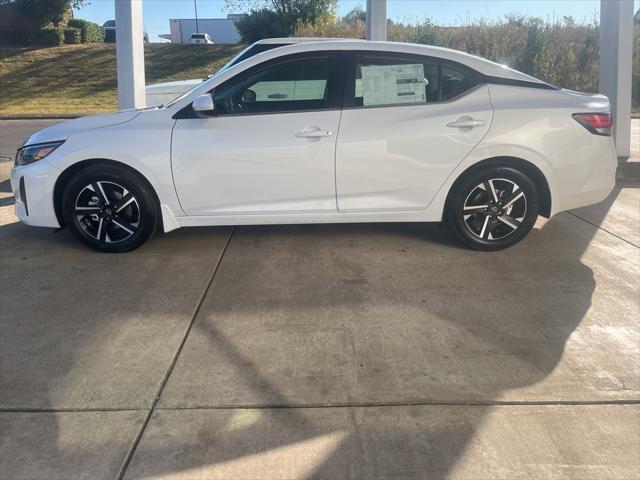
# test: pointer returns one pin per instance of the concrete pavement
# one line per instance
(333, 351)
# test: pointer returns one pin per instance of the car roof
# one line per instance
(306, 44)
(294, 40)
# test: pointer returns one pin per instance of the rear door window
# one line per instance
(455, 82)
(382, 79)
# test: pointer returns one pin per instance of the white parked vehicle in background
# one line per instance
(165, 92)
(201, 38)
(327, 132)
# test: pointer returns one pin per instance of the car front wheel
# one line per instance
(109, 208)
(493, 208)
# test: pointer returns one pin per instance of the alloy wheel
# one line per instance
(107, 212)
(494, 209)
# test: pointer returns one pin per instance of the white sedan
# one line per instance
(327, 132)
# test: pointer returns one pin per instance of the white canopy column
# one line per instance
(130, 53)
(616, 46)
(377, 20)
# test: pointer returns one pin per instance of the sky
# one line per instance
(446, 12)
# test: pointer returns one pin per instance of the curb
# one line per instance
(42, 117)
(628, 170)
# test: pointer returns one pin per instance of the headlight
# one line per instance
(33, 153)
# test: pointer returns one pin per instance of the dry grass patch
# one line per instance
(81, 79)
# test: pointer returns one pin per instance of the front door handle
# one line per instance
(466, 123)
(313, 132)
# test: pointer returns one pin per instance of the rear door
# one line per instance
(407, 122)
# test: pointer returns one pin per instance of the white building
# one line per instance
(221, 30)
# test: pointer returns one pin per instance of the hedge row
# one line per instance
(77, 31)
(91, 32)
(16, 37)
(50, 36)
(72, 35)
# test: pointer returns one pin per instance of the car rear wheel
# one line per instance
(109, 208)
(493, 208)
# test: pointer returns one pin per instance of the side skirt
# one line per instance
(360, 217)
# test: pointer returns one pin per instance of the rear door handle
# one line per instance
(313, 132)
(466, 123)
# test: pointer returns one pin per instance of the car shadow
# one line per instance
(503, 320)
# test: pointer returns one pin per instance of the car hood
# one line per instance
(62, 131)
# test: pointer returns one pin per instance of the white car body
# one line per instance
(381, 164)
(165, 92)
(201, 38)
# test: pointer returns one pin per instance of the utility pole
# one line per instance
(195, 7)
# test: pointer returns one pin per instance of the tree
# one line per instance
(261, 24)
(289, 13)
(44, 12)
(357, 14)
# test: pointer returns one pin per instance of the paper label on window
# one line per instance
(391, 84)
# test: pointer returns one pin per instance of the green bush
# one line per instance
(19, 38)
(91, 32)
(72, 35)
(50, 36)
(261, 24)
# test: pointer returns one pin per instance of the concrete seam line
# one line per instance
(72, 410)
(167, 375)
(427, 403)
(277, 406)
(604, 230)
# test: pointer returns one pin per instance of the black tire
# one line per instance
(504, 222)
(123, 222)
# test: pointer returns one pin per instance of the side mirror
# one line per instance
(203, 104)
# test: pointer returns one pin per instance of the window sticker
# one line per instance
(393, 84)
(273, 91)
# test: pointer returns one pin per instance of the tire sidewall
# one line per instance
(455, 206)
(141, 191)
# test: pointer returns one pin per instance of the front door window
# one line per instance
(287, 86)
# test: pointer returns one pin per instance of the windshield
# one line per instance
(189, 91)
(248, 52)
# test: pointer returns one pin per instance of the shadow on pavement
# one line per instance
(409, 319)
(400, 313)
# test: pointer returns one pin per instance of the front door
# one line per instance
(408, 122)
(269, 146)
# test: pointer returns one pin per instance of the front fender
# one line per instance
(143, 146)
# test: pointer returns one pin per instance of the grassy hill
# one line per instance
(81, 79)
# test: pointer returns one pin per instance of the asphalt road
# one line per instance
(327, 351)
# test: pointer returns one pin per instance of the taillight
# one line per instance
(596, 123)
